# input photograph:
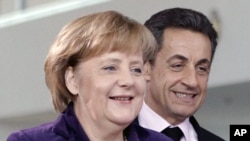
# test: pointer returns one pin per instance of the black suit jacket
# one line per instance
(203, 134)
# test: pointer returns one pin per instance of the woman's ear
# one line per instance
(147, 71)
(70, 81)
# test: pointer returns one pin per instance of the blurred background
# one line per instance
(28, 28)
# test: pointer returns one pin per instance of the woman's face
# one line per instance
(109, 88)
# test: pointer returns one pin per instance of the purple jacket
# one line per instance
(67, 128)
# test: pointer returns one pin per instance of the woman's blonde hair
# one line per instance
(90, 36)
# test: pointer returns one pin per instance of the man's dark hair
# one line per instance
(181, 18)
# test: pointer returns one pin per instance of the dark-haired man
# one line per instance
(178, 75)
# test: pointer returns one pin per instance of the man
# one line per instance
(178, 75)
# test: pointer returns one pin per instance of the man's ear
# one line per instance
(147, 71)
(70, 81)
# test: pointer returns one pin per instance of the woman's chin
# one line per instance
(124, 119)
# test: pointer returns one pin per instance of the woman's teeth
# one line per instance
(122, 98)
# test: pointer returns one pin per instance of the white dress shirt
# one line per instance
(149, 119)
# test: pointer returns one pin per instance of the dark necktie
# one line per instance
(174, 133)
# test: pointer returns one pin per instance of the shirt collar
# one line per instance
(150, 119)
(186, 128)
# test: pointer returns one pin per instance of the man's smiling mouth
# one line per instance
(184, 95)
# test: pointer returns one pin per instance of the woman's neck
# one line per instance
(100, 130)
(102, 133)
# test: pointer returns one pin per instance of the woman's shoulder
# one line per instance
(39, 133)
(58, 130)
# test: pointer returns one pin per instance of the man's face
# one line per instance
(178, 79)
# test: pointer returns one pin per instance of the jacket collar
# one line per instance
(68, 126)
(197, 127)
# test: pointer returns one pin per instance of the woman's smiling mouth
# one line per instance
(121, 98)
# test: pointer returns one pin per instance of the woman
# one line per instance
(94, 71)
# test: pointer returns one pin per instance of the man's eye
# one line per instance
(177, 67)
(203, 69)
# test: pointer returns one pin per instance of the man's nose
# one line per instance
(190, 78)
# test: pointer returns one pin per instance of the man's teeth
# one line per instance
(183, 95)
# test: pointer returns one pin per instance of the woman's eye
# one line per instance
(109, 68)
(137, 70)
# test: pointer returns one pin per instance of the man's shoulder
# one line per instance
(204, 134)
(209, 135)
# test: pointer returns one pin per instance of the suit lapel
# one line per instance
(69, 127)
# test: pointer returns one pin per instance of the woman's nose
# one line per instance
(126, 79)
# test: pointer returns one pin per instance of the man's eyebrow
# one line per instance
(177, 56)
(204, 61)
(183, 58)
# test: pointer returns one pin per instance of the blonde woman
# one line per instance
(94, 71)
